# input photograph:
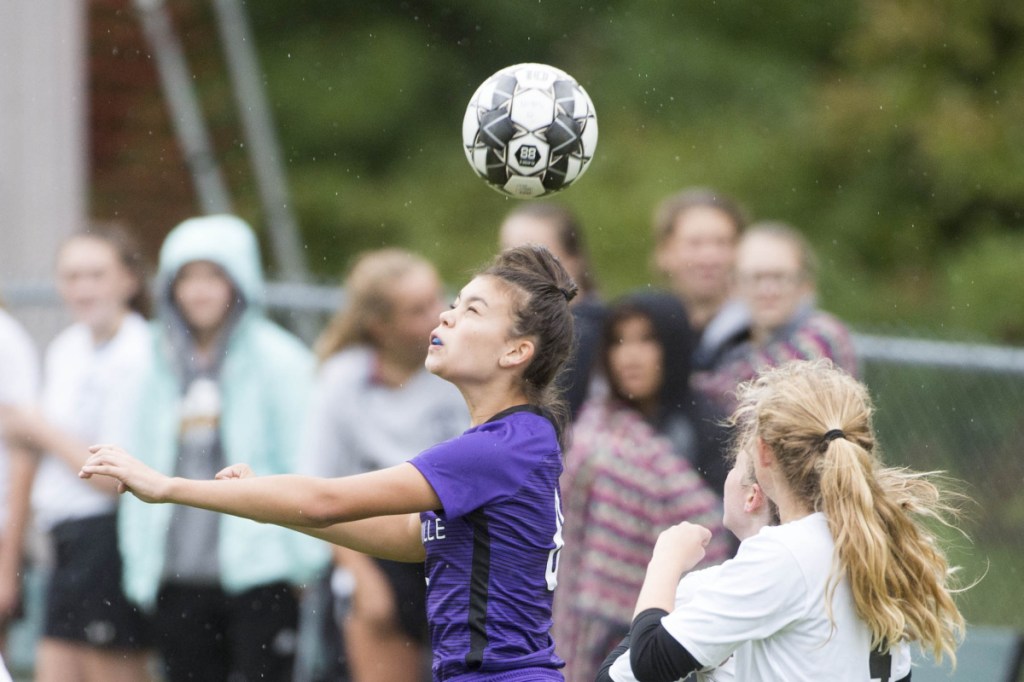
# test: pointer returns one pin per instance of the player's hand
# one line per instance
(682, 546)
(132, 475)
(234, 471)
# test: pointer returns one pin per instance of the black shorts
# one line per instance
(203, 633)
(84, 600)
(409, 584)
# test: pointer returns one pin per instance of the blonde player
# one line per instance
(747, 511)
(850, 569)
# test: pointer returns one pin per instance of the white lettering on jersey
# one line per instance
(432, 530)
(551, 573)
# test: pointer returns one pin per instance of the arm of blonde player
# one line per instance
(393, 536)
(339, 510)
(678, 549)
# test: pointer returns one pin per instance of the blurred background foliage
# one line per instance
(892, 133)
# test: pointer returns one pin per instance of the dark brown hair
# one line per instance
(674, 336)
(540, 311)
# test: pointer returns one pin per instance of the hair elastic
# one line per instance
(831, 436)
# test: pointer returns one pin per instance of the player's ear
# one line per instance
(755, 499)
(517, 353)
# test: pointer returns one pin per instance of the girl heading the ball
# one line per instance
(482, 509)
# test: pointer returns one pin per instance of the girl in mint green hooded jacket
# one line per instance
(226, 385)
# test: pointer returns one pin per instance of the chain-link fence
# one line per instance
(958, 408)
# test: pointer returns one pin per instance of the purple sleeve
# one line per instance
(486, 463)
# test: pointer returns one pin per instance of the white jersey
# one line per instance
(19, 383)
(691, 583)
(357, 424)
(767, 606)
(694, 582)
(764, 613)
(88, 392)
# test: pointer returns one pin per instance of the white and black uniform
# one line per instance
(765, 613)
(891, 667)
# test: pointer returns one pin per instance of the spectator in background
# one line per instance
(696, 232)
(556, 227)
(226, 385)
(19, 385)
(628, 476)
(376, 406)
(91, 632)
(776, 274)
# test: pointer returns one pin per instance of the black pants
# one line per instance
(206, 635)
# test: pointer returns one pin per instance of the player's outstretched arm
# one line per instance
(386, 537)
(395, 537)
(326, 506)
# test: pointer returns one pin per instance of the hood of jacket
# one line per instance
(224, 240)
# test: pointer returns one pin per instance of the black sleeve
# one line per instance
(654, 654)
(907, 678)
(604, 673)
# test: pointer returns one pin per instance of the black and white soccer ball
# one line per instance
(530, 130)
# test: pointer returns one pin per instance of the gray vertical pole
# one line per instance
(186, 114)
(261, 142)
(260, 138)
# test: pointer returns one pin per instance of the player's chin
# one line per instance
(433, 363)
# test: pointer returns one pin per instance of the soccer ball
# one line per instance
(529, 130)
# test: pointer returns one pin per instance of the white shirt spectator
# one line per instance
(19, 383)
(89, 392)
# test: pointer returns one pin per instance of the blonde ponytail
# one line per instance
(862, 544)
(816, 419)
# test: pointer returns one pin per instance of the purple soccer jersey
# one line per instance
(492, 551)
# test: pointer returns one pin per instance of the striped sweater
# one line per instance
(623, 484)
(812, 334)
